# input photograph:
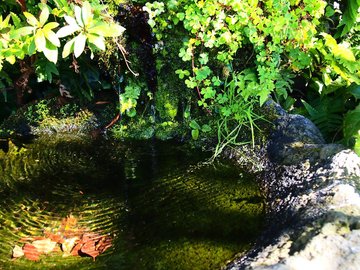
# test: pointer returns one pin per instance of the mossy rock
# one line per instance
(57, 115)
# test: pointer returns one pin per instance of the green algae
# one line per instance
(163, 206)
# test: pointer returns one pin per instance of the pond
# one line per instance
(159, 205)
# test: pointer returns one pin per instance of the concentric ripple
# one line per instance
(161, 209)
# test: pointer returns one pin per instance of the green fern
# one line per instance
(327, 115)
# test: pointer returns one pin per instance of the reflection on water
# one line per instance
(162, 209)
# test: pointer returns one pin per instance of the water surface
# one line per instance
(163, 207)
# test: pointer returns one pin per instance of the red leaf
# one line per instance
(31, 253)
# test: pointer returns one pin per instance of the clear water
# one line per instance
(161, 205)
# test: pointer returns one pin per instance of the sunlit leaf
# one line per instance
(50, 25)
(98, 41)
(40, 40)
(67, 30)
(68, 48)
(11, 59)
(44, 15)
(79, 44)
(52, 37)
(31, 19)
(23, 31)
(78, 16)
(5, 22)
(71, 21)
(107, 30)
(86, 13)
(51, 52)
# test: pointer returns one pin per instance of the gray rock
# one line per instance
(294, 140)
(313, 202)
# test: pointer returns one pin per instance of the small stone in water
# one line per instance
(44, 246)
(17, 252)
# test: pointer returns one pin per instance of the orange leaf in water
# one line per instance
(31, 253)
(17, 252)
(89, 248)
(76, 249)
(104, 243)
(54, 237)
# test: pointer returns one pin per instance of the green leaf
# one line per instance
(79, 44)
(204, 58)
(4, 23)
(31, 19)
(71, 21)
(50, 26)
(78, 16)
(98, 41)
(11, 59)
(205, 128)
(357, 144)
(195, 134)
(203, 73)
(86, 13)
(52, 37)
(40, 40)
(194, 125)
(264, 96)
(16, 20)
(352, 123)
(68, 48)
(23, 31)
(45, 71)
(51, 52)
(107, 30)
(32, 47)
(67, 30)
(354, 90)
(44, 15)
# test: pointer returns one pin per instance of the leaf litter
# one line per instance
(69, 238)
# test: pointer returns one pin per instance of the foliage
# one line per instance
(36, 36)
(263, 45)
(28, 34)
(332, 100)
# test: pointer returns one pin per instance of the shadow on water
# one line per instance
(163, 208)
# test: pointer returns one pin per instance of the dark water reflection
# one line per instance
(161, 205)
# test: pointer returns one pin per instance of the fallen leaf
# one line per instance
(91, 236)
(54, 237)
(104, 243)
(89, 248)
(17, 252)
(45, 245)
(31, 253)
(76, 249)
(68, 245)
